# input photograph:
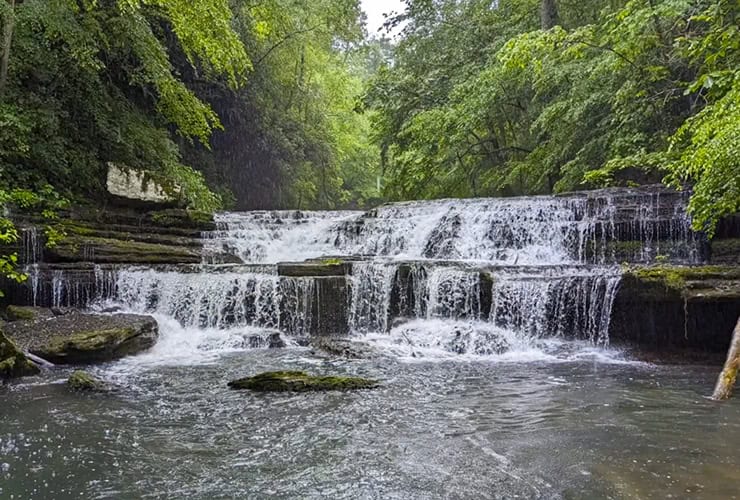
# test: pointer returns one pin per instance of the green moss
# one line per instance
(200, 216)
(90, 341)
(77, 228)
(13, 363)
(83, 381)
(19, 313)
(332, 262)
(675, 277)
(296, 381)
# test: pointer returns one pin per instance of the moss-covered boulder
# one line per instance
(13, 363)
(85, 338)
(22, 313)
(82, 381)
(297, 381)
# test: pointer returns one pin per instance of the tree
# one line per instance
(523, 97)
(726, 381)
(8, 26)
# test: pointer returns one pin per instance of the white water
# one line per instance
(480, 277)
(540, 230)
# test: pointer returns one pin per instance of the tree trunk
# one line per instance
(548, 14)
(8, 26)
(726, 380)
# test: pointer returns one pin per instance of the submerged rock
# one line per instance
(343, 348)
(85, 338)
(84, 382)
(13, 363)
(296, 381)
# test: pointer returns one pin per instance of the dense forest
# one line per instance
(290, 103)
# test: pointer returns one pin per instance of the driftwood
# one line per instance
(39, 361)
(726, 380)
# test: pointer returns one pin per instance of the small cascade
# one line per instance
(372, 287)
(273, 236)
(32, 246)
(297, 306)
(204, 300)
(452, 293)
(569, 303)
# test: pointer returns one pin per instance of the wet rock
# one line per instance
(13, 363)
(479, 341)
(272, 340)
(296, 381)
(85, 338)
(82, 381)
(671, 308)
(26, 313)
(326, 267)
(343, 348)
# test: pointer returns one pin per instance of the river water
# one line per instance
(579, 422)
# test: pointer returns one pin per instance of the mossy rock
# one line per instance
(85, 338)
(84, 382)
(97, 345)
(687, 280)
(13, 363)
(297, 381)
(21, 313)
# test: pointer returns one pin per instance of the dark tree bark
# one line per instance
(726, 380)
(8, 26)
(548, 14)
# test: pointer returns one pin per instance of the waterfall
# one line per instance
(203, 299)
(482, 273)
(569, 303)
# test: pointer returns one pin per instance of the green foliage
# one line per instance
(481, 101)
(96, 81)
(254, 99)
(708, 143)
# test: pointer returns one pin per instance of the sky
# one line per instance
(375, 9)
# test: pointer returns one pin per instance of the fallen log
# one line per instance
(41, 362)
(726, 380)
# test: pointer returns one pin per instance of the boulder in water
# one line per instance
(26, 313)
(343, 348)
(13, 363)
(85, 338)
(297, 381)
(82, 381)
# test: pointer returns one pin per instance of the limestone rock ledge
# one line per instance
(673, 308)
(78, 338)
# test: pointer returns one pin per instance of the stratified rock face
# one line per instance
(136, 186)
(82, 381)
(85, 338)
(295, 381)
(672, 308)
(13, 363)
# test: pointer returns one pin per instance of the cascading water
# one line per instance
(476, 272)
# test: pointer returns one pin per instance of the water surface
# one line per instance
(583, 424)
